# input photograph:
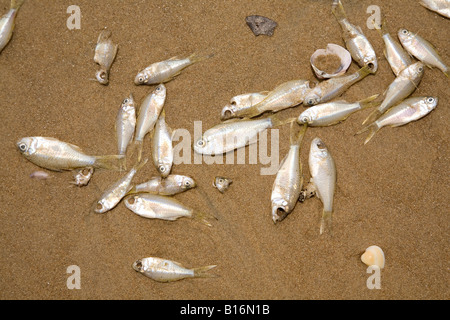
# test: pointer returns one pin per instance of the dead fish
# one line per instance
(149, 112)
(334, 87)
(327, 114)
(396, 56)
(222, 184)
(164, 71)
(169, 186)
(125, 124)
(83, 176)
(233, 134)
(402, 87)
(162, 149)
(286, 95)
(439, 6)
(323, 177)
(261, 25)
(289, 180)
(112, 196)
(105, 53)
(411, 109)
(52, 154)
(422, 50)
(163, 270)
(39, 175)
(154, 206)
(7, 23)
(241, 102)
(356, 42)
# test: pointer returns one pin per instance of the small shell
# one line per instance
(222, 184)
(373, 256)
(83, 176)
(332, 49)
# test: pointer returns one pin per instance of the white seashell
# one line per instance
(332, 49)
(373, 256)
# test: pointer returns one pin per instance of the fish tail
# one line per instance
(194, 58)
(16, 4)
(137, 145)
(297, 138)
(373, 116)
(203, 218)
(373, 128)
(104, 35)
(326, 222)
(364, 72)
(202, 272)
(123, 163)
(276, 121)
(368, 102)
(382, 29)
(338, 10)
(109, 162)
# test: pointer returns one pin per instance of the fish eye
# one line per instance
(305, 119)
(404, 31)
(233, 103)
(221, 181)
(22, 147)
(131, 200)
(200, 143)
(420, 69)
(125, 101)
(187, 183)
(430, 100)
(162, 168)
(141, 79)
(139, 264)
(99, 206)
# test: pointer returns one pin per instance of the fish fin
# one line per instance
(373, 129)
(264, 92)
(172, 77)
(194, 58)
(296, 138)
(373, 116)
(203, 218)
(104, 36)
(326, 222)
(338, 10)
(202, 272)
(109, 162)
(276, 121)
(368, 102)
(381, 28)
(16, 4)
(174, 58)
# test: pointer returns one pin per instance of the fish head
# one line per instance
(164, 168)
(101, 206)
(141, 78)
(102, 76)
(128, 102)
(83, 176)
(372, 63)
(429, 103)
(405, 36)
(416, 70)
(311, 99)
(318, 149)
(187, 183)
(202, 146)
(133, 202)
(138, 266)
(280, 209)
(222, 184)
(228, 112)
(160, 91)
(304, 118)
(27, 146)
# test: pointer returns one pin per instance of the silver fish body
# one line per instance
(7, 23)
(240, 103)
(356, 42)
(105, 53)
(52, 154)
(422, 50)
(439, 6)
(125, 124)
(323, 176)
(164, 71)
(154, 206)
(286, 95)
(334, 87)
(162, 148)
(409, 110)
(83, 176)
(163, 270)
(169, 186)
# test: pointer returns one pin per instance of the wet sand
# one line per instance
(392, 192)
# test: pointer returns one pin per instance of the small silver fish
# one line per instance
(439, 6)
(105, 53)
(396, 56)
(286, 95)
(241, 102)
(233, 134)
(422, 50)
(222, 184)
(169, 186)
(402, 87)
(334, 87)
(83, 176)
(289, 180)
(323, 177)
(52, 154)
(411, 109)
(164, 71)
(163, 270)
(162, 148)
(149, 112)
(330, 113)
(7, 23)
(112, 196)
(125, 124)
(356, 42)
